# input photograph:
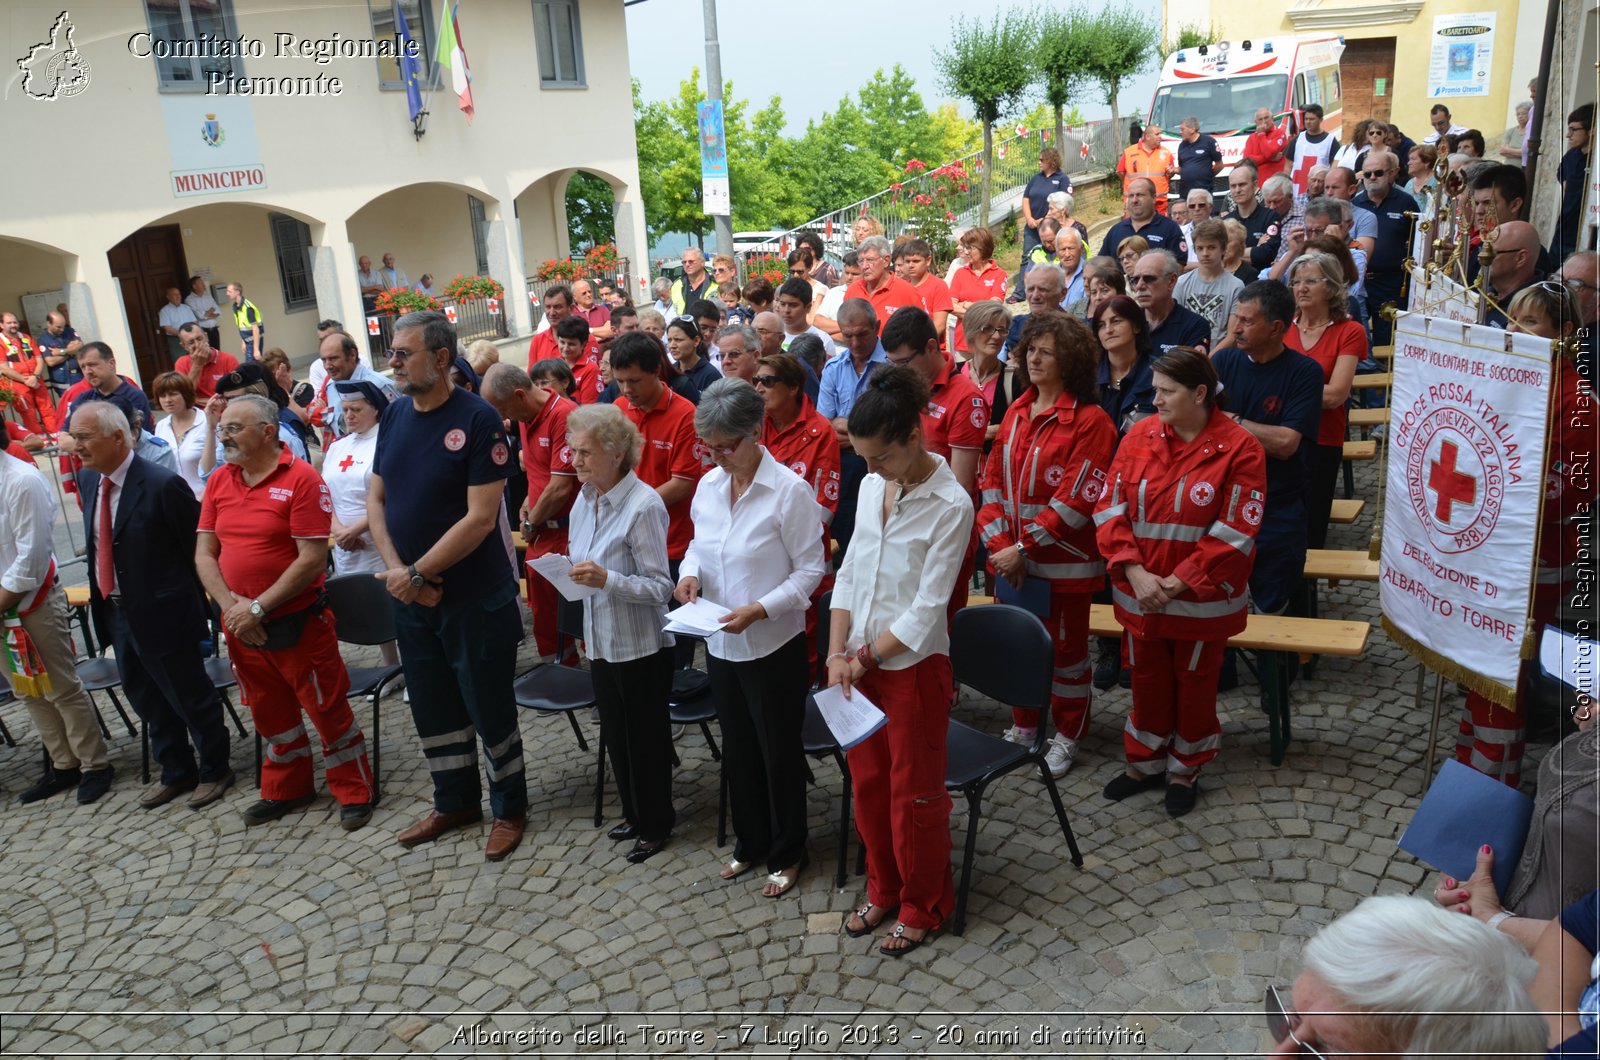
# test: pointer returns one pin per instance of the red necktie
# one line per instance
(105, 570)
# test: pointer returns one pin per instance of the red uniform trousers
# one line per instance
(1173, 726)
(543, 600)
(277, 686)
(902, 809)
(34, 407)
(1069, 684)
(1491, 736)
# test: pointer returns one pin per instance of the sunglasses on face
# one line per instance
(766, 380)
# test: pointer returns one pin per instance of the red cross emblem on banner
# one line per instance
(347, 463)
(372, 326)
(450, 313)
(1452, 486)
(494, 307)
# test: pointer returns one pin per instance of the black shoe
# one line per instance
(355, 815)
(623, 831)
(1109, 668)
(1181, 797)
(271, 809)
(1125, 678)
(1228, 677)
(1122, 785)
(53, 782)
(643, 851)
(93, 784)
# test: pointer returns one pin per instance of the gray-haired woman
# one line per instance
(757, 550)
(618, 544)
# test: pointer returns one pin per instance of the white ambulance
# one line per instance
(1223, 84)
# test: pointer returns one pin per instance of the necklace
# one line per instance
(906, 488)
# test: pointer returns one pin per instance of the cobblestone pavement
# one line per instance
(172, 932)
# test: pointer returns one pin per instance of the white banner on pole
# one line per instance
(1465, 477)
(1440, 296)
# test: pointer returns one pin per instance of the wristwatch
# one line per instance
(256, 609)
(417, 580)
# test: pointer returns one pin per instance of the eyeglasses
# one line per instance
(766, 380)
(398, 354)
(228, 430)
(723, 450)
(1370, 173)
(1574, 284)
(1281, 1022)
(1141, 279)
(997, 330)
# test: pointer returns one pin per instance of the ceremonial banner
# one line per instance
(1464, 482)
(1441, 296)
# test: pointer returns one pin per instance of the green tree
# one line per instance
(952, 135)
(1062, 57)
(591, 211)
(1190, 35)
(1123, 44)
(898, 127)
(984, 66)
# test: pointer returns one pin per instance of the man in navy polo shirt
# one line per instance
(1389, 205)
(1199, 157)
(1159, 230)
(436, 511)
(1261, 222)
(1154, 278)
(1274, 393)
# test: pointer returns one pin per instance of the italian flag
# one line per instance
(453, 56)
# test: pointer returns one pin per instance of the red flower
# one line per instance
(896, 186)
(915, 166)
(923, 200)
(949, 217)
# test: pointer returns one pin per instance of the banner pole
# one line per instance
(1433, 726)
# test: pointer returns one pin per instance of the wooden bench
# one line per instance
(1366, 449)
(1346, 511)
(1369, 417)
(1376, 379)
(1340, 565)
(1274, 638)
(1383, 353)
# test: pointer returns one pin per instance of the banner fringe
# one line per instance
(1450, 668)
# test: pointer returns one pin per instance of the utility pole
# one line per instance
(724, 222)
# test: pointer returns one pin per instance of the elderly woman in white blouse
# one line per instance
(890, 639)
(617, 540)
(347, 470)
(757, 550)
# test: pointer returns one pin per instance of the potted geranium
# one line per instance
(471, 288)
(601, 260)
(402, 300)
(768, 266)
(563, 269)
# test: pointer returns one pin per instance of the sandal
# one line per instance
(899, 932)
(784, 881)
(870, 925)
(735, 868)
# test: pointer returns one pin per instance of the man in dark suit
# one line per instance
(146, 602)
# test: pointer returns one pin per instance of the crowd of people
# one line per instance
(1158, 426)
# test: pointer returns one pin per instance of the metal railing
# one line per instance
(621, 279)
(1016, 159)
(473, 322)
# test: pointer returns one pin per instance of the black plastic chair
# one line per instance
(551, 688)
(100, 674)
(363, 614)
(1004, 653)
(818, 741)
(6, 697)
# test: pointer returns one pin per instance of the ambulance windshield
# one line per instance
(1224, 105)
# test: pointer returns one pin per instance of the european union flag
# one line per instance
(410, 65)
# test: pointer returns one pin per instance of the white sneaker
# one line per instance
(1018, 735)
(1059, 755)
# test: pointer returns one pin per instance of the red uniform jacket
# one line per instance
(1190, 509)
(1569, 490)
(810, 449)
(1044, 475)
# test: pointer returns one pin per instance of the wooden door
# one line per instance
(1366, 74)
(145, 265)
